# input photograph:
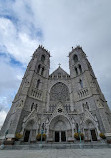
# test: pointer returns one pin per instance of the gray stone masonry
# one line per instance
(59, 104)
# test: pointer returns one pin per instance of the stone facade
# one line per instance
(59, 104)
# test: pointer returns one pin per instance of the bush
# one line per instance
(18, 136)
(38, 137)
(44, 137)
(77, 136)
(102, 135)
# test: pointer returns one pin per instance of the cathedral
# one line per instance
(58, 104)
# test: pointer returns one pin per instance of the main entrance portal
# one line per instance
(93, 134)
(60, 136)
(60, 129)
(26, 137)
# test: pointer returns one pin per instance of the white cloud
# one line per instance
(10, 78)
(18, 44)
(2, 117)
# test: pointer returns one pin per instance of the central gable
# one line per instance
(59, 73)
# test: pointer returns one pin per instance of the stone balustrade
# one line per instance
(36, 93)
(83, 92)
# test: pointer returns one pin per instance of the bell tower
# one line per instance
(86, 90)
(31, 94)
(77, 62)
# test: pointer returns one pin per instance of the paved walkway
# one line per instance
(57, 153)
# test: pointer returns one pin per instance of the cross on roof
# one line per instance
(59, 64)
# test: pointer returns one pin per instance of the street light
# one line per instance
(79, 134)
(3, 142)
(42, 131)
(80, 137)
(39, 123)
(6, 133)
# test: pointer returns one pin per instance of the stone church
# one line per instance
(58, 104)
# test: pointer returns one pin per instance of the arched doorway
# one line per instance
(90, 131)
(60, 129)
(30, 132)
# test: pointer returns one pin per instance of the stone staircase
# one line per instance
(36, 146)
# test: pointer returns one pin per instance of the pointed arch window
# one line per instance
(81, 83)
(75, 58)
(86, 106)
(76, 70)
(36, 106)
(80, 69)
(77, 127)
(59, 75)
(42, 72)
(38, 70)
(32, 106)
(43, 58)
(38, 84)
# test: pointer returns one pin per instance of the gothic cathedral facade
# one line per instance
(58, 104)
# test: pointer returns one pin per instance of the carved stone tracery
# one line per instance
(59, 92)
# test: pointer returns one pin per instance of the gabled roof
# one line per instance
(59, 70)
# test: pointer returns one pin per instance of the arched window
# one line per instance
(59, 75)
(80, 69)
(43, 58)
(38, 70)
(76, 70)
(81, 83)
(87, 106)
(36, 106)
(42, 72)
(75, 58)
(32, 106)
(77, 127)
(38, 83)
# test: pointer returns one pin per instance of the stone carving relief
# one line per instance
(60, 125)
(99, 104)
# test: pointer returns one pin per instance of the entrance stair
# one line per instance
(38, 146)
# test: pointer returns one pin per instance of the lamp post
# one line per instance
(2, 145)
(79, 134)
(6, 134)
(39, 125)
(80, 138)
(42, 131)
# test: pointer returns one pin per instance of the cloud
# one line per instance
(10, 78)
(16, 42)
(2, 117)
(58, 25)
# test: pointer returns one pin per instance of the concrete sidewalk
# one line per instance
(57, 153)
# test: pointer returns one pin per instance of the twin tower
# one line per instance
(58, 104)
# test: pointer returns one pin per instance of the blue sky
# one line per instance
(58, 25)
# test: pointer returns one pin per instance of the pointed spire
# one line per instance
(77, 48)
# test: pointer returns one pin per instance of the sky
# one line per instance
(57, 25)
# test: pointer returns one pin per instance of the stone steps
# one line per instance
(58, 146)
